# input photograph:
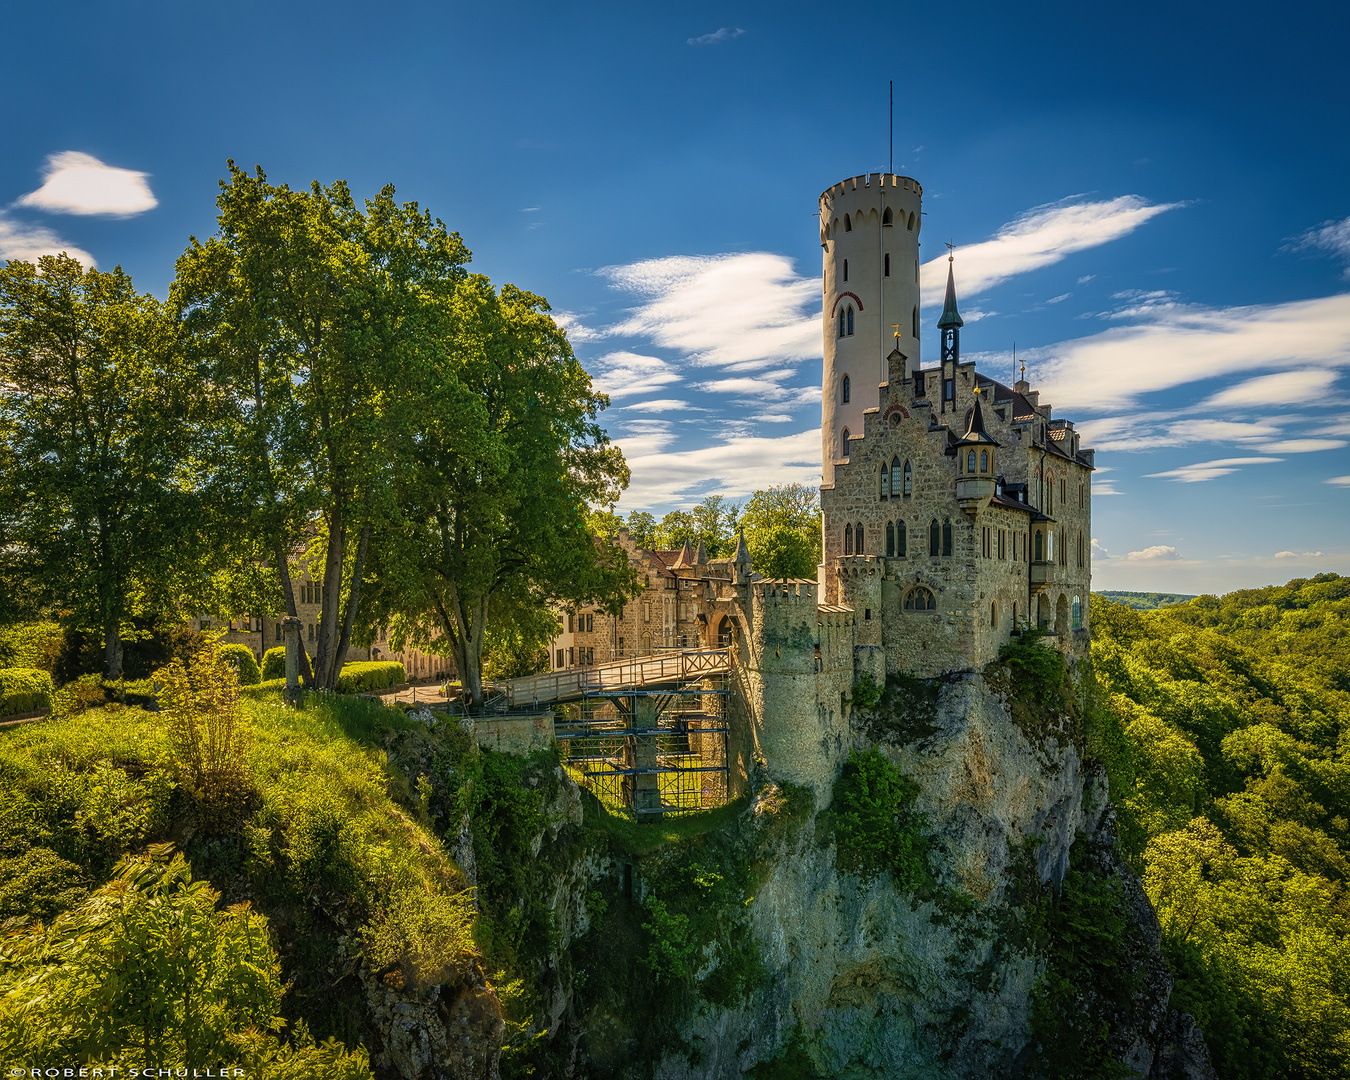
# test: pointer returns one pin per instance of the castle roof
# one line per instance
(951, 318)
(975, 434)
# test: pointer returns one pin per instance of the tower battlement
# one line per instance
(776, 591)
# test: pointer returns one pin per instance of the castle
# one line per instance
(956, 510)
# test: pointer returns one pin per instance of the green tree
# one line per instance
(782, 530)
(501, 460)
(96, 411)
(313, 311)
(642, 528)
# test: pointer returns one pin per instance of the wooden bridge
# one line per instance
(665, 670)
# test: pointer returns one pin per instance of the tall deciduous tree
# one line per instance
(312, 310)
(782, 530)
(95, 404)
(500, 464)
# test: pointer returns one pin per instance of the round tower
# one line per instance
(869, 231)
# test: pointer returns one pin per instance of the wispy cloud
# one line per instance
(736, 467)
(1156, 553)
(662, 405)
(739, 312)
(1297, 555)
(1330, 236)
(1210, 470)
(726, 33)
(1282, 388)
(75, 183)
(623, 374)
(1040, 237)
(1174, 345)
(27, 242)
(1339, 481)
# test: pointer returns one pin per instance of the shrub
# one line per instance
(274, 663)
(874, 823)
(25, 690)
(425, 933)
(367, 675)
(245, 663)
(39, 884)
(31, 645)
(263, 689)
(210, 742)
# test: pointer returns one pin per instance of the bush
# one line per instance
(367, 675)
(263, 689)
(874, 823)
(245, 663)
(25, 690)
(31, 645)
(274, 663)
(39, 884)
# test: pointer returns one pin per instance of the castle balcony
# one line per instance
(974, 492)
(1042, 571)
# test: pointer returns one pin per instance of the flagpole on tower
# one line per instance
(892, 125)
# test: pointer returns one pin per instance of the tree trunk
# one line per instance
(112, 650)
(354, 593)
(329, 661)
(288, 594)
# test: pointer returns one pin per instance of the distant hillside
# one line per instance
(1146, 601)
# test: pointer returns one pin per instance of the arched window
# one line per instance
(970, 462)
(890, 539)
(885, 481)
(1040, 546)
(1077, 613)
(908, 488)
(843, 444)
(887, 217)
(984, 461)
(916, 321)
(841, 324)
(845, 390)
(910, 224)
(845, 269)
(887, 271)
(947, 536)
(1082, 560)
(850, 319)
(901, 545)
(1050, 546)
(934, 538)
(993, 614)
(920, 599)
(848, 224)
(848, 539)
(858, 539)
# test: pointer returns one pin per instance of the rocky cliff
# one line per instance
(977, 924)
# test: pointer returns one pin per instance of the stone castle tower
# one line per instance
(869, 232)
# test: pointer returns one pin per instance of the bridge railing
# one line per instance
(573, 683)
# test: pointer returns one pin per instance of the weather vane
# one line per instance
(896, 327)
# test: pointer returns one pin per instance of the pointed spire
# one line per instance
(975, 433)
(742, 552)
(686, 558)
(701, 556)
(950, 316)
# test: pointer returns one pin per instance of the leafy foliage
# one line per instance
(31, 645)
(362, 676)
(274, 664)
(782, 530)
(1229, 770)
(873, 822)
(245, 663)
(24, 690)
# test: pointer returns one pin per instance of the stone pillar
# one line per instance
(646, 786)
(291, 629)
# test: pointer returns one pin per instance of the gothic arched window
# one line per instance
(848, 224)
(984, 461)
(850, 320)
(841, 324)
(845, 389)
(1077, 613)
(947, 537)
(858, 539)
(845, 269)
(887, 217)
(920, 599)
(901, 546)
(970, 462)
(890, 539)
(848, 539)
(1040, 546)
(887, 271)
(916, 321)
(934, 538)
(908, 487)
(910, 224)
(885, 481)
(843, 444)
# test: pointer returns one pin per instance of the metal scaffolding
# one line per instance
(651, 752)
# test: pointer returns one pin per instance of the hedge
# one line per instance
(363, 676)
(262, 689)
(274, 663)
(25, 690)
(31, 645)
(241, 656)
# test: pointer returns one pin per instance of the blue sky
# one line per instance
(1152, 203)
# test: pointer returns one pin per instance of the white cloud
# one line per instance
(772, 418)
(1156, 553)
(739, 312)
(1332, 236)
(1282, 388)
(663, 405)
(1098, 551)
(1175, 345)
(75, 183)
(1060, 298)
(26, 242)
(1086, 278)
(726, 33)
(1301, 446)
(1151, 431)
(735, 468)
(1297, 555)
(622, 374)
(1339, 481)
(1209, 470)
(1040, 237)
